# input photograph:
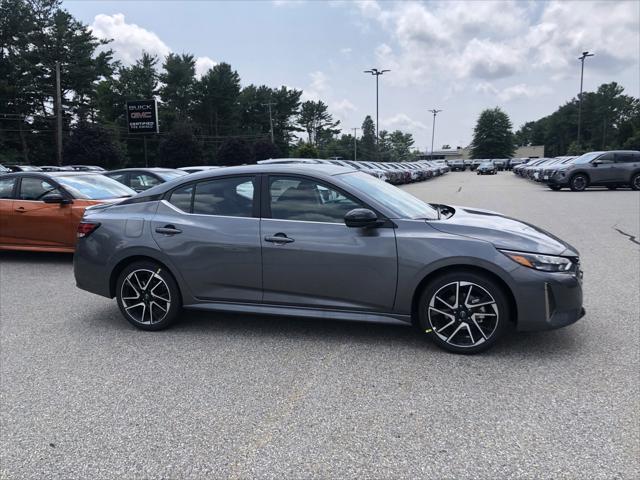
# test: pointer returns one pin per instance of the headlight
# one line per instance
(546, 263)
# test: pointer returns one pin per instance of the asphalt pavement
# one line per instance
(85, 395)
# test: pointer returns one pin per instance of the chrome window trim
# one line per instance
(173, 207)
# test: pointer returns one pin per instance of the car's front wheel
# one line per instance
(463, 312)
(635, 181)
(579, 182)
(148, 295)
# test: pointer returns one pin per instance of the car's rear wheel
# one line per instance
(148, 295)
(635, 181)
(579, 182)
(463, 312)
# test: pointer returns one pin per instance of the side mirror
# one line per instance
(361, 218)
(56, 198)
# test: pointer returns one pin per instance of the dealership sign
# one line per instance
(142, 116)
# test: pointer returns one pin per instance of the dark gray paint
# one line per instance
(330, 270)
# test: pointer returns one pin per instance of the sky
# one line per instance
(460, 57)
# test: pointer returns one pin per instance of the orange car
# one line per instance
(41, 211)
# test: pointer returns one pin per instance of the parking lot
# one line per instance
(85, 395)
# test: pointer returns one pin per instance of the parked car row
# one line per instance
(611, 169)
(473, 163)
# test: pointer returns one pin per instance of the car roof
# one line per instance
(143, 169)
(62, 173)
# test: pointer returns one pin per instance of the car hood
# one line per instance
(503, 232)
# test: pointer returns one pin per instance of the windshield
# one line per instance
(170, 174)
(398, 201)
(587, 157)
(94, 187)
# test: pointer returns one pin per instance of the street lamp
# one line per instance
(270, 104)
(377, 73)
(581, 58)
(355, 143)
(433, 129)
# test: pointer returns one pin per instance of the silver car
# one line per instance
(318, 240)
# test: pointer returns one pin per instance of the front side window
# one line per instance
(301, 199)
(6, 187)
(229, 197)
(606, 158)
(36, 189)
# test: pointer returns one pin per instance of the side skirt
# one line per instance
(279, 310)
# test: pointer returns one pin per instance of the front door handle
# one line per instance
(20, 210)
(168, 230)
(278, 238)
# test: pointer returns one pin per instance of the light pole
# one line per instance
(355, 143)
(270, 118)
(377, 73)
(581, 58)
(433, 129)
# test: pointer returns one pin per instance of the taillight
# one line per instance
(86, 228)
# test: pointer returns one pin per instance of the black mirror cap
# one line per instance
(56, 199)
(361, 218)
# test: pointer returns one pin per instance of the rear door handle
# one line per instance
(20, 210)
(168, 230)
(278, 238)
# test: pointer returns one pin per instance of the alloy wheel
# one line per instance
(579, 182)
(636, 182)
(145, 296)
(463, 314)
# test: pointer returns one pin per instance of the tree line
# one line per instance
(610, 121)
(210, 119)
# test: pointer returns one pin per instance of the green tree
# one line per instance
(367, 145)
(216, 108)
(234, 151)
(401, 144)
(492, 136)
(263, 149)
(177, 91)
(179, 148)
(305, 150)
(317, 122)
(92, 144)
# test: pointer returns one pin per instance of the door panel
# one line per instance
(329, 265)
(6, 210)
(37, 223)
(218, 256)
(311, 258)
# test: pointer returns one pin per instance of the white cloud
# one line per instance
(403, 122)
(346, 51)
(203, 64)
(287, 3)
(513, 92)
(495, 40)
(129, 39)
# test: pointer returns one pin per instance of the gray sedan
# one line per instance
(324, 241)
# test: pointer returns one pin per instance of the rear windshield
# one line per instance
(94, 187)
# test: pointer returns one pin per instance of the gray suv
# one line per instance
(327, 242)
(609, 169)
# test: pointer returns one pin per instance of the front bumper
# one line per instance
(547, 301)
(558, 179)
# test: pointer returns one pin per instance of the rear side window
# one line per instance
(6, 187)
(181, 198)
(627, 157)
(229, 197)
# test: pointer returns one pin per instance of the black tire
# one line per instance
(495, 316)
(153, 285)
(555, 188)
(579, 182)
(635, 182)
